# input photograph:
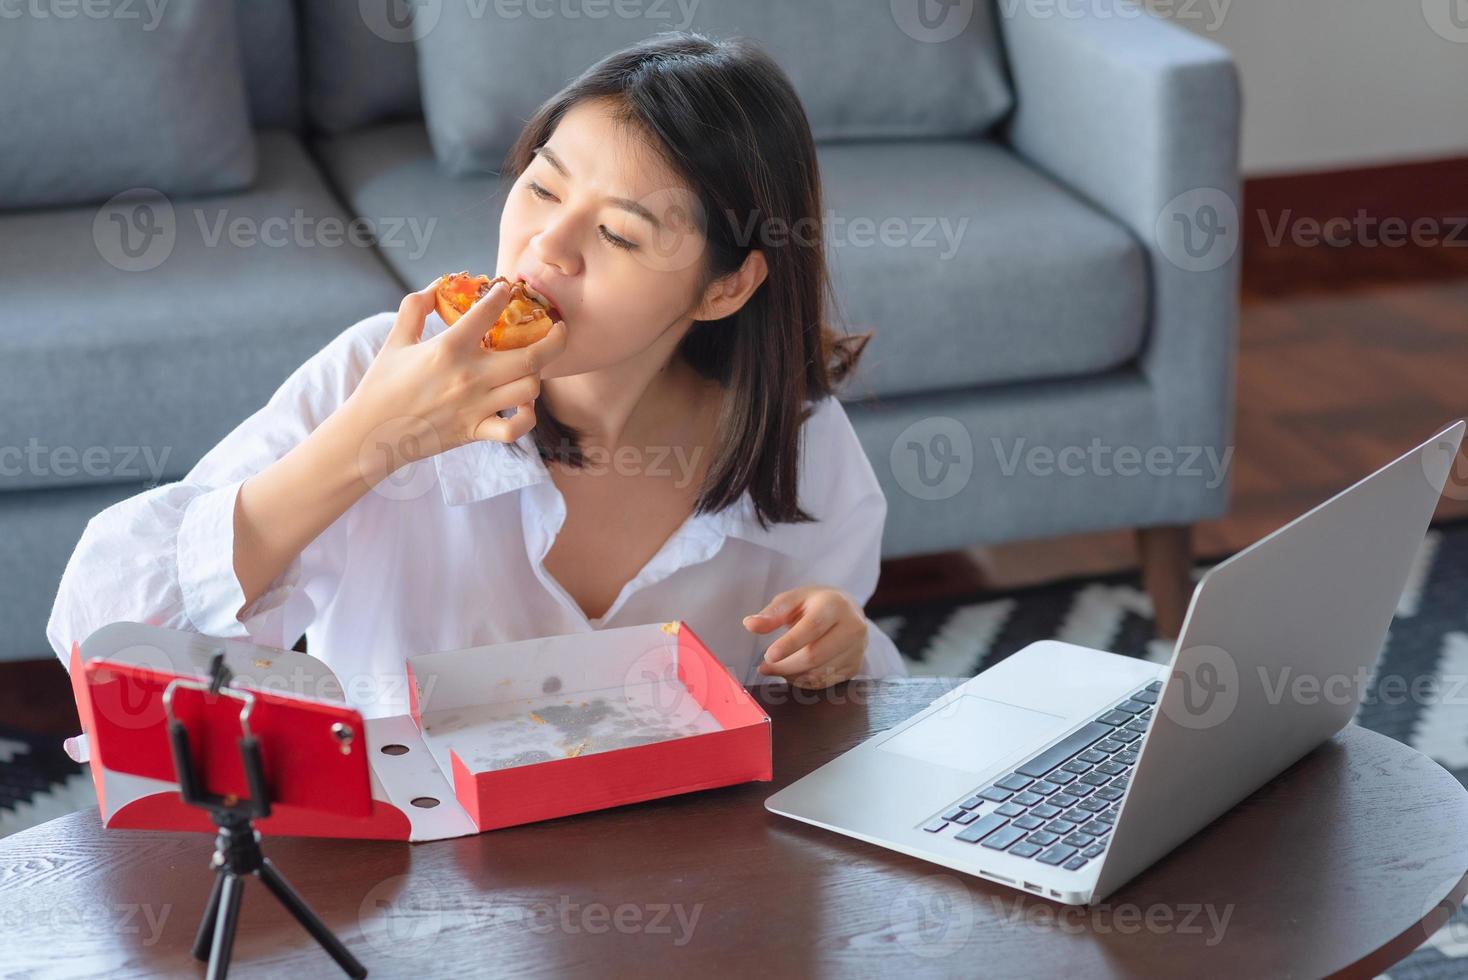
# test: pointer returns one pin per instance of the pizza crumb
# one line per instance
(536, 718)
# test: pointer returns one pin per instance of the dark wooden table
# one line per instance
(1343, 864)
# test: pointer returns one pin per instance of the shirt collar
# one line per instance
(479, 470)
(483, 469)
(739, 521)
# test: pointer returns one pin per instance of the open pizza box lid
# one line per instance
(496, 735)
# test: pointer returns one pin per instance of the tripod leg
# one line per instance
(298, 908)
(229, 916)
(205, 936)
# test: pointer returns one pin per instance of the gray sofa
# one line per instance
(1065, 317)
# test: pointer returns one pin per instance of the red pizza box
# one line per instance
(493, 736)
(565, 724)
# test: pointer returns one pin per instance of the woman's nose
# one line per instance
(555, 247)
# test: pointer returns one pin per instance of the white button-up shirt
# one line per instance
(447, 552)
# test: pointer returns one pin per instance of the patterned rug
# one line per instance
(38, 781)
(1427, 645)
(957, 638)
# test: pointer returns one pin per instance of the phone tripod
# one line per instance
(237, 851)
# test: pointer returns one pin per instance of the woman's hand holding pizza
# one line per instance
(420, 398)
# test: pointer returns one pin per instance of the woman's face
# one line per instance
(601, 226)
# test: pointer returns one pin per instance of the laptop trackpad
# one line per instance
(972, 733)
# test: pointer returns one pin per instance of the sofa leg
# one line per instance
(1166, 554)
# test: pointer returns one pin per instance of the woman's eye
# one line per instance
(616, 241)
(613, 240)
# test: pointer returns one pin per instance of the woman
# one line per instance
(676, 450)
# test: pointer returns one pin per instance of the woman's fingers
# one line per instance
(827, 652)
(815, 620)
(778, 611)
(470, 328)
(412, 311)
(549, 347)
(497, 429)
(544, 350)
(512, 393)
(807, 658)
(519, 394)
(831, 672)
(502, 366)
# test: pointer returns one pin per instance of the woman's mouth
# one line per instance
(540, 296)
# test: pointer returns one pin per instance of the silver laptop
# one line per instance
(1064, 771)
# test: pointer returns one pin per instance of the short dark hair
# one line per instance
(725, 117)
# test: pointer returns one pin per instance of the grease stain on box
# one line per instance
(503, 736)
(656, 687)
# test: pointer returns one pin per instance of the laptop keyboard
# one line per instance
(1059, 806)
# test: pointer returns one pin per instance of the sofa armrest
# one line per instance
(1141, 117)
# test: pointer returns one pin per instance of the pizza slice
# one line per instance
(524, 320)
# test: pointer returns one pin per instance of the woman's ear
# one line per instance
(726, 296)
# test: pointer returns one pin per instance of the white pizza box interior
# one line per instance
(495, 736)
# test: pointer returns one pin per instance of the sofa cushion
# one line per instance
(124, 364)
(863, 69)
(360, 67)
(429, 223)
(40, 529)
(154, 99)
(272, 63)
(1015, 278)
(972, 267)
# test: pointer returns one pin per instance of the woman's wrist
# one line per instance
(284, 507)
(351, 454)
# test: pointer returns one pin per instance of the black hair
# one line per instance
(726, 119)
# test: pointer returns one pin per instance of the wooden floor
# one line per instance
(1347, 358)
